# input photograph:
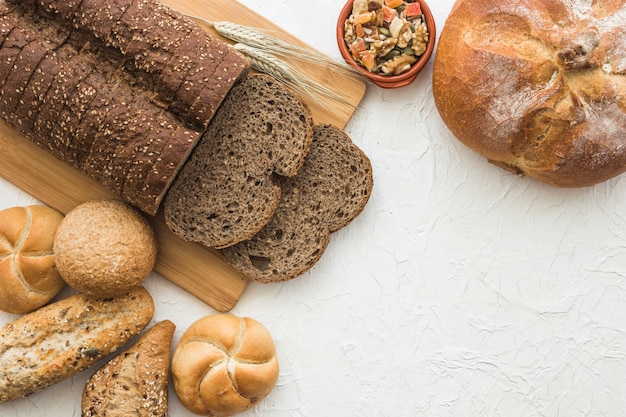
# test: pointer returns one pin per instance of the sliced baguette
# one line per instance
(134, 383)
(226, 191)
(61, 339)
(330, 190)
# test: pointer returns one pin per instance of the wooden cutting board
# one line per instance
(200, 271)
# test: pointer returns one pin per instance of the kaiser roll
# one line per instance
(28, 274)
(538, 87)
(105, 247)
(223, 365)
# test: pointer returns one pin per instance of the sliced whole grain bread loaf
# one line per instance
(190, 70)
(227, 189)
(133, 383)
(72, 95)
(330, 190)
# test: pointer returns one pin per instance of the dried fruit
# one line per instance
(386, 37)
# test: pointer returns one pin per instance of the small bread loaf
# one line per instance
(63, 338)
(330, 190)
(223, 365)
(134, 383)
(537, 86)
(28, 274)
(105, 247)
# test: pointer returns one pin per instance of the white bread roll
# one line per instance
(537, 86)
(104, 248)
(223, 365)
(28, 274)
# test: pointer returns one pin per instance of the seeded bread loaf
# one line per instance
(99, 101)
(330, 190)
(191, 70)
(61, 339)
(134, 383)
(227, 190)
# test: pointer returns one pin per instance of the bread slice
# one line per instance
(134, 383)
(61, 339)
(226, 191)
(330, 190)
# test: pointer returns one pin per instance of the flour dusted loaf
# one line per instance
(227, 191)
(63, 338)
(104, 248)
(120, 90)
(537, 87)
(330, 190)
(28, 274)
(223, 365)
(134, 383)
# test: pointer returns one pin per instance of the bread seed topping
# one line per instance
(386, 37)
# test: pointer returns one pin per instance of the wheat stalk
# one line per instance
(269, 64)
(264, 50)
(260, 39)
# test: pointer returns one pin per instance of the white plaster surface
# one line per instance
(461, 290)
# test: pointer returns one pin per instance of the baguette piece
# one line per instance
(134, 383)
(330, 190)
(226, 191)
(61, 339)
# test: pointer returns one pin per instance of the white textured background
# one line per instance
(461, 290)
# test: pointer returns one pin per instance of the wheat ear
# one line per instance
(269, 64)
(257, 38)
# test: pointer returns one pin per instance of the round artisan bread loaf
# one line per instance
(537, 86)
(28, 273)
(105, 247)
(223, 365)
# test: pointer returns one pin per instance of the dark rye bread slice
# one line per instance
(330, 190)
(17, 81)
(226, 191)
(13, 44)
(48, 118)
(167, 165)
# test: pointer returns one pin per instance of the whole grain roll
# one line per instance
(28, 274)
(223, 365)
(105, 247)
(537, 86)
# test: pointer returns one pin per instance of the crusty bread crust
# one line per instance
(134, 383)
(61, 339)
(537, 86)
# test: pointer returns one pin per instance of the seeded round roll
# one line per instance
(104, 248)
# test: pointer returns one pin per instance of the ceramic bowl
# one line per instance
(388, 81)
